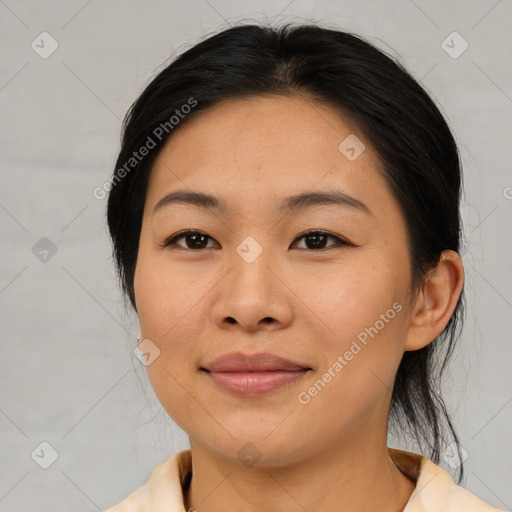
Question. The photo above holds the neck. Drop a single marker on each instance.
(355, 476)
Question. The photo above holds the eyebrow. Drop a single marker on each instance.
(289, 204)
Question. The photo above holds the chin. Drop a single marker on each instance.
(257, 449)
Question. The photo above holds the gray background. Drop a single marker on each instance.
(68, 375)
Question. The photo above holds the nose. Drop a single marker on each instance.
(253, 296)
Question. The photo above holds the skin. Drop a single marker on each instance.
(198, 304)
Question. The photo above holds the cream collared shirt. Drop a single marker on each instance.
(435, 490)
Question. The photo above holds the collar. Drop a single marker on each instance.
(435, 490)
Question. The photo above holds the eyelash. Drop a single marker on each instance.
(171, 241)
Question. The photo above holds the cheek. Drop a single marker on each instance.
(354, 296)
(166, 297)
(364, 310)
(162, 312)
(359, 363)
(167, 303)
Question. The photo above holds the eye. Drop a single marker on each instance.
(317, 239)
(196, 240)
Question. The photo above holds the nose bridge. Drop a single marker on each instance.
(251, 293)
(251, 263)
(250, 250)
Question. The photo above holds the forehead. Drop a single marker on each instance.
(254, 150)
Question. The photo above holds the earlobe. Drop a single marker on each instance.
(436, 301)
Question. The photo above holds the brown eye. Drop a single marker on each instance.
(194, 240)
(317, 240)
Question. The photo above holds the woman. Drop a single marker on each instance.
(285, 220)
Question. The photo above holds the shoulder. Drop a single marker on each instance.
(163, 489)
(436, 491)
(132, 503)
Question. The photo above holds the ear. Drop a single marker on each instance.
(435, 301)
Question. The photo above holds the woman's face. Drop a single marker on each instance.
(337, 304)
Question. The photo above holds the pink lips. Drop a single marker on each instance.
(253, 375)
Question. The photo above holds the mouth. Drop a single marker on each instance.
(253, 375)
(253, 384)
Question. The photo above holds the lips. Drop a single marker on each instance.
(263, 362)
(253, 375)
